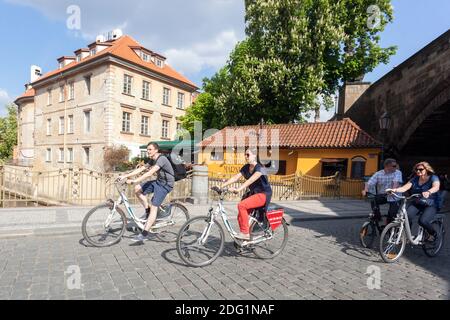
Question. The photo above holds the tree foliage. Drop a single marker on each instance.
(115, 158)
(295, 52)
(8, 132)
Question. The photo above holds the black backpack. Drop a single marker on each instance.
(179, 170)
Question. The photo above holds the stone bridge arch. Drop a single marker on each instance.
(416, 94)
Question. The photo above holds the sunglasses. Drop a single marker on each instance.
(247, 155)
(420, 169)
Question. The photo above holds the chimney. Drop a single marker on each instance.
(349, 93)
(35, 73)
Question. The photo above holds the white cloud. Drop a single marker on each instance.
(193, 34)
(4, 100)
(213, 53)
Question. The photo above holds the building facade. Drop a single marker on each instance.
(112, 93)
(315, 149)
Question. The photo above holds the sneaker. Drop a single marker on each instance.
(242, 236)
(432, 238)
(140, 238)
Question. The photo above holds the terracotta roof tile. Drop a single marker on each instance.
(333, 134)
(122, 48)
(27, 94)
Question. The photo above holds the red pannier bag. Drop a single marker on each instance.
(275, 217)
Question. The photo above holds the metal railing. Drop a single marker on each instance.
(21, 187)
(299, 186)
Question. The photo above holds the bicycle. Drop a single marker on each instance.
(108, 221)
(371, 228)
(203, 237)
(397, 233)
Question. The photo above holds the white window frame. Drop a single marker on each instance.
(61, 155)
(48, 155)
(144, 125)
(180, 102)
(166, 96)
(49, 127)
(49, 97)
(145, 90)
(62, 126)
(126, 121)
(61, 94)
(165, 129)
(87, 121)
(127, 84)
(71, 90)
(70, 124)
(87, 155)
(69, 155)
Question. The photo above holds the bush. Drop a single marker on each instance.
(116, 159)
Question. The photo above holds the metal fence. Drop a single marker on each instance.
(21, 187)
(299, 186)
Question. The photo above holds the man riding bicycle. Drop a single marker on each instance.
(388, 178)
(160, 187)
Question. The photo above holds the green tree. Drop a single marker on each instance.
(8, 132)
(295, 52)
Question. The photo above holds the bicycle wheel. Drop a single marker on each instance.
(199, 243)
(177, 216)
(102, 227)
(432, 249)
(367, 234)
(270, 248)
(390, 250)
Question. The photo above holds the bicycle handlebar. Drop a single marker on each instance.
(391, 193)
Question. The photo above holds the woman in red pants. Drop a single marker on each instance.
(260, 190)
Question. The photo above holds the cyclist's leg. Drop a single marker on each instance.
(412, 212)
(141, 192)
(159, 194)
(426, 218)
(392, 212)
(379, 200)
(244, 208)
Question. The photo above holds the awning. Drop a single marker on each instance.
(169, 145)
(327, 160)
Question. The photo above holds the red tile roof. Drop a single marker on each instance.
(122, 48)
(28, 94)
(333, 134)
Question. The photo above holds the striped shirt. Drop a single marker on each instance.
(382, 181)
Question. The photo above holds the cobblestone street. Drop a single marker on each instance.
(323, 260)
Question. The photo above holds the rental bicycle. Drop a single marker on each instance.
(201, 240)
(396, 234)
(372, 227)
(105, 224)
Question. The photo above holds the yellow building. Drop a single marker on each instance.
(316, 149)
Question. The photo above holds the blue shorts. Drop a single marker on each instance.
(159, 191)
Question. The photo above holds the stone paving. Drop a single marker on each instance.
(322, 260)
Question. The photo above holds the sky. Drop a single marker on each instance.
(196, 35)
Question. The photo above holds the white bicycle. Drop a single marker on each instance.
(105, 224)
(396, 234)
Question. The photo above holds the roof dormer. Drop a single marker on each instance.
(81, 54)
(159, 60)
(144, 54)
(97, 47)
(64, 61)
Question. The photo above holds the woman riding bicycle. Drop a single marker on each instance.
(260, 190)
(427, 184)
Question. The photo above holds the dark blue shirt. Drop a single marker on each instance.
(418, 188)
(261, 185)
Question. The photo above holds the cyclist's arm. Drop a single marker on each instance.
(147, 175)
(372, 182)
(232, 180)
(405, 188)
(252, 179)
(134, 173)
(435, 188)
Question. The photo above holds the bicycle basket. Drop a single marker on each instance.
(275, 218)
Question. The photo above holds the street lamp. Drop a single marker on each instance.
(385, 124)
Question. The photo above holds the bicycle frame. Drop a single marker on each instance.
(403, 219)
(220, 210)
